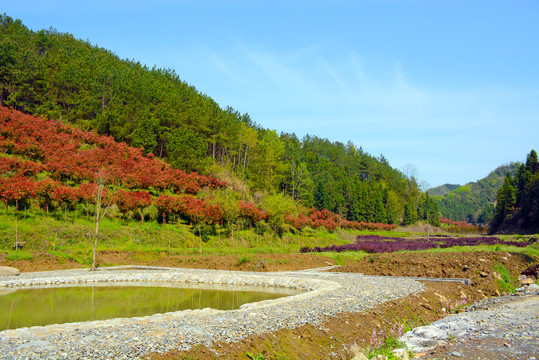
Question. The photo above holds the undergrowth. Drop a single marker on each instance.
(382, 343)
(506, 283)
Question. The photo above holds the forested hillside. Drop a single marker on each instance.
(443, 189)
(50, 168)
(517, 201)
(474, 202)
(52, 74)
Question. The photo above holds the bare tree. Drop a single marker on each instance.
(102, 207)
(425, 187)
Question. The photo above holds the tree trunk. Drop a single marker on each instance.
(95, 245)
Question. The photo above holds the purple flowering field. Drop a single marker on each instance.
(381, 244)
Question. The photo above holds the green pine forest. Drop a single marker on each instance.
(52, 74)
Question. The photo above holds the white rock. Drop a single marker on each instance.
(8, 271)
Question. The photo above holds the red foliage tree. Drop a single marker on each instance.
(299, 222)
(252, 213)
(17, 189)
(68, 153)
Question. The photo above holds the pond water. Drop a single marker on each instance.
(44, 306)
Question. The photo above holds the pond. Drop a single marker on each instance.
(58, 305)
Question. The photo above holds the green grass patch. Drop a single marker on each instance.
(528, 250)
(255, 357)
(62, 256)
(19, 255)
(343, 257)
(243, 260)
(506, 283)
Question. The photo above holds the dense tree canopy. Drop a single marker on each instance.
(517, 202)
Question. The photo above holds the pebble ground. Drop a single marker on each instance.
(505, 327)
(325, 295)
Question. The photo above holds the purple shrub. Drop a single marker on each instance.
(384, 244)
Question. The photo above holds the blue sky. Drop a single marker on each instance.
(450, 88)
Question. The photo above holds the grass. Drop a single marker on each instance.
(243, 260)
(255, 357)
(63, 256)
(506, 283)
(384, 343)
(343, 257)
(19, 255)
(39, 232)
(528, 250)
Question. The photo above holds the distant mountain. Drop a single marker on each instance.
(442, 189)
(473, 202)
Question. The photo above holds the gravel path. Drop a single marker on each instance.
(326, 294)
(505, 327)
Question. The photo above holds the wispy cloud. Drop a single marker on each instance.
(344, 96)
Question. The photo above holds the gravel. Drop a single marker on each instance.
(325, 295)
(505, 327)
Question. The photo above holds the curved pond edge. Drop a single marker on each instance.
(209, 279)
(325, 295)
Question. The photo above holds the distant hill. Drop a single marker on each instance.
(442, 189)
(473, 202)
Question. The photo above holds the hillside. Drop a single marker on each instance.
(473, 202)
(50, 167)
(52, 74)
(442, 189)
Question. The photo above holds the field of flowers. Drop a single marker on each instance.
(381, 244)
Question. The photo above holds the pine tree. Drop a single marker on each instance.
(505, 203)
(321, 200)
(532, 163)
(408, 218)
(354, 211)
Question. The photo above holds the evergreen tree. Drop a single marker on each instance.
(532, 163)
(408, 218)
(379, 215)
(517, 207)
(186, 149)
(505, 203)
(321, 200)
(354, 211)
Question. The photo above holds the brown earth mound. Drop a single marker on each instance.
(43, 261)
(476, 266)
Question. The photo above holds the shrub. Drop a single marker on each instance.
(380, 244)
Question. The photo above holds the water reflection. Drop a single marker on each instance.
(43, 306)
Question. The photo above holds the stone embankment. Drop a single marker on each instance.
(324, 295)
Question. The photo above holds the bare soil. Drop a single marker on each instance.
(476, 266)
(43, 261)
(334, 338)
